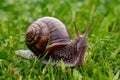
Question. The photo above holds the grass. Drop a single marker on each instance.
(102, 58)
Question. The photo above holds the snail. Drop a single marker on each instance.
(49, 35)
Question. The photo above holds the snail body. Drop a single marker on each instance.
(50, 35)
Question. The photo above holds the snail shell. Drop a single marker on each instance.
(45, 34)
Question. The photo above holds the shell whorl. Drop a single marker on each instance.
(37, 37)
(45, 34)
(58, 33)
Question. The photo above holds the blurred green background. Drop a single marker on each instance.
(102, 58)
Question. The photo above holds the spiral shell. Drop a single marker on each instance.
(45, 34)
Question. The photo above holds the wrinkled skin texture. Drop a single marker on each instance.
(72, 54)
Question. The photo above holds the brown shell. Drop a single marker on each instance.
(45, 34)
